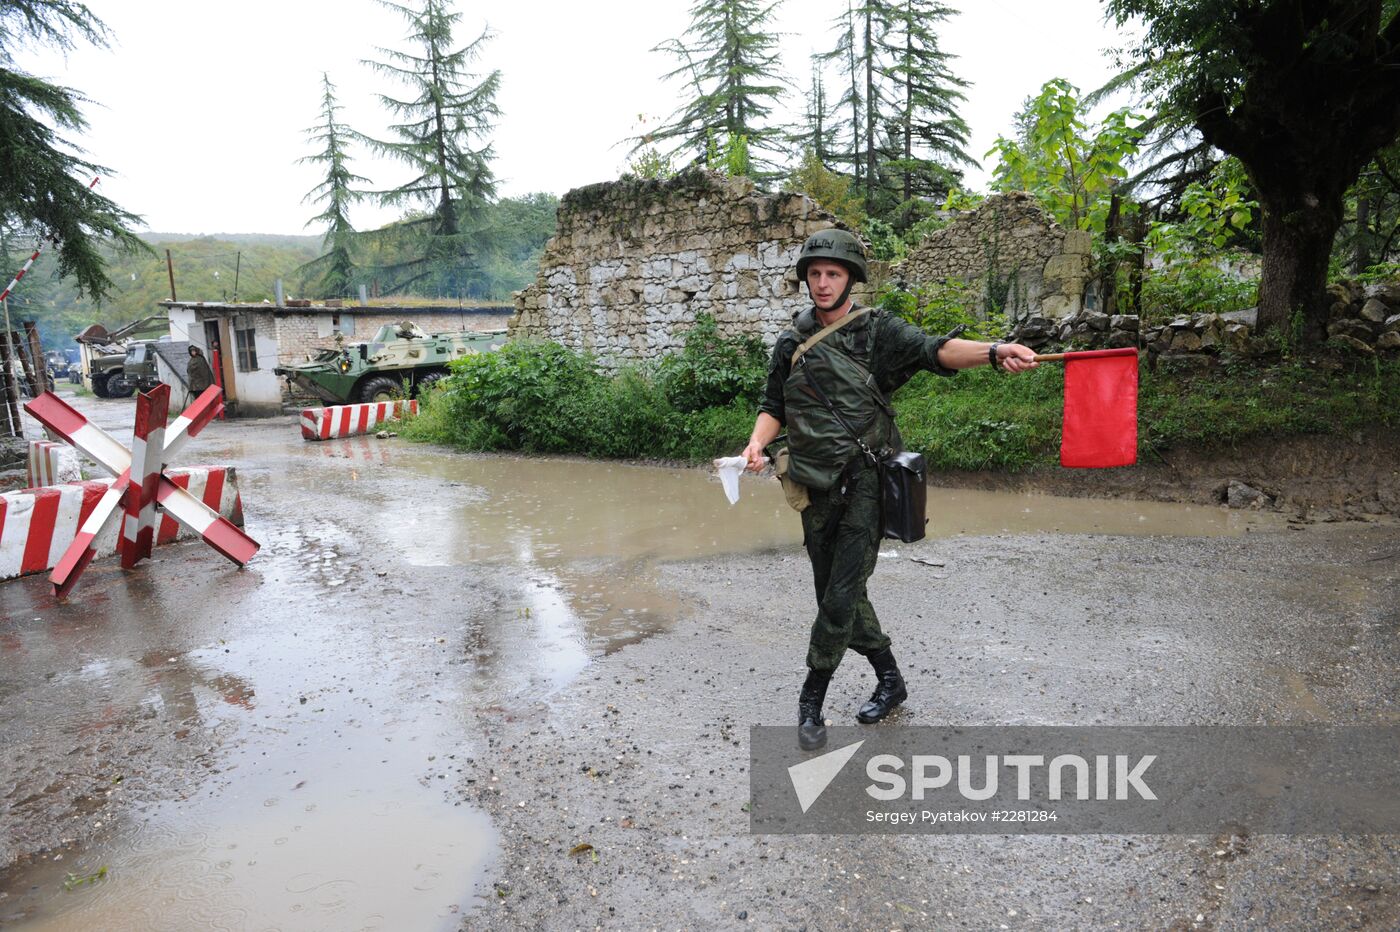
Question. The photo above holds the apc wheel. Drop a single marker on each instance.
(381, 388)
(426, 383)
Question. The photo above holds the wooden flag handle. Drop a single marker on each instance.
(1049, 357)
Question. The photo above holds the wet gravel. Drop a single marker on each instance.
(644, 756)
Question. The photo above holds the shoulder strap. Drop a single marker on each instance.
(825, 332)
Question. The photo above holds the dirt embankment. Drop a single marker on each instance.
(1317, 478)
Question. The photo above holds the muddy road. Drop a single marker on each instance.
(444, 672)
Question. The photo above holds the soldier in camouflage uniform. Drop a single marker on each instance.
(841, 524)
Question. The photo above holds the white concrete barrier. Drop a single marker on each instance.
(38, 525)
(349, 420)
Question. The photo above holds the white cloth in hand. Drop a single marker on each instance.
(729, 468)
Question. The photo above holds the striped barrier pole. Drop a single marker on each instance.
(70, 425)
(350, 420)
(37, 526)
(61, 418)
(147, 451)
(21, 273)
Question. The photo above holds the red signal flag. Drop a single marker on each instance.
(1101, 392)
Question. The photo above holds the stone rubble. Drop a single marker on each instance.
(1008, 243)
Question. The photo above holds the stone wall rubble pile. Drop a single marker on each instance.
(1084, 329)
(1363, 319)
(1022, 258)
(634, 261)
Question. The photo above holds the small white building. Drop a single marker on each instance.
(253, 339)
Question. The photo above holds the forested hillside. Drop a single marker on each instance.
(220, 267)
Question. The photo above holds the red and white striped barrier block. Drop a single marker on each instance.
(37, 526)
(51, 463)
(61, 418)
(349, 420)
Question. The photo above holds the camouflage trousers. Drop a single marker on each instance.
(842, 537)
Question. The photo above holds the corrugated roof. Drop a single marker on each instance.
(407, 310)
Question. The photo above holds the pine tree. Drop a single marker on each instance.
(44, 177)
(731, 65)
(846, 56)
(928, 134)
(336, 266)
(901, 95)
(814, 135)
(450, 110)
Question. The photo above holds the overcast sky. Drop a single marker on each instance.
(200, 107)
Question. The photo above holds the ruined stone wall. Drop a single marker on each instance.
(1024, 261)
(633, 262)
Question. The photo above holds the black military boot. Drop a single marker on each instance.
(811, 726)
(889, 689)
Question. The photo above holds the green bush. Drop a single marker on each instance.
(981, 419)
(712, 370)
(1197, 287)
(1380, 272)
(938, 308)
(543, 398)
(986, 420)
(886, 244)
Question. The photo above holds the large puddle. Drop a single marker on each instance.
(270, 781)
(550, 511)
(292, 763)
(583, 536)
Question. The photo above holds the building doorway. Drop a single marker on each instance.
(216, 339)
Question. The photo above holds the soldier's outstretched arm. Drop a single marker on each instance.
(968, 354)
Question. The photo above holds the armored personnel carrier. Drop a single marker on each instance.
(401, 356)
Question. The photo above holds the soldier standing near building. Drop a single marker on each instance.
(822, 402)
(198, 373)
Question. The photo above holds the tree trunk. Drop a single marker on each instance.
(1113, 232)
(1138, 264)
(908, 104)
(869, 115)
(1298, 234)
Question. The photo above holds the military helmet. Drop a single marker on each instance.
(837, 245)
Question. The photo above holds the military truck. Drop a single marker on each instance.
(63, 364)
(400, 356)
(104, 356)
(138, 370)
(104, 375)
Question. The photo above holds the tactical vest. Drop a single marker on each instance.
(820, 447)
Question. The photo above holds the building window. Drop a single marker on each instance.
(247, 350)
(344, 324)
